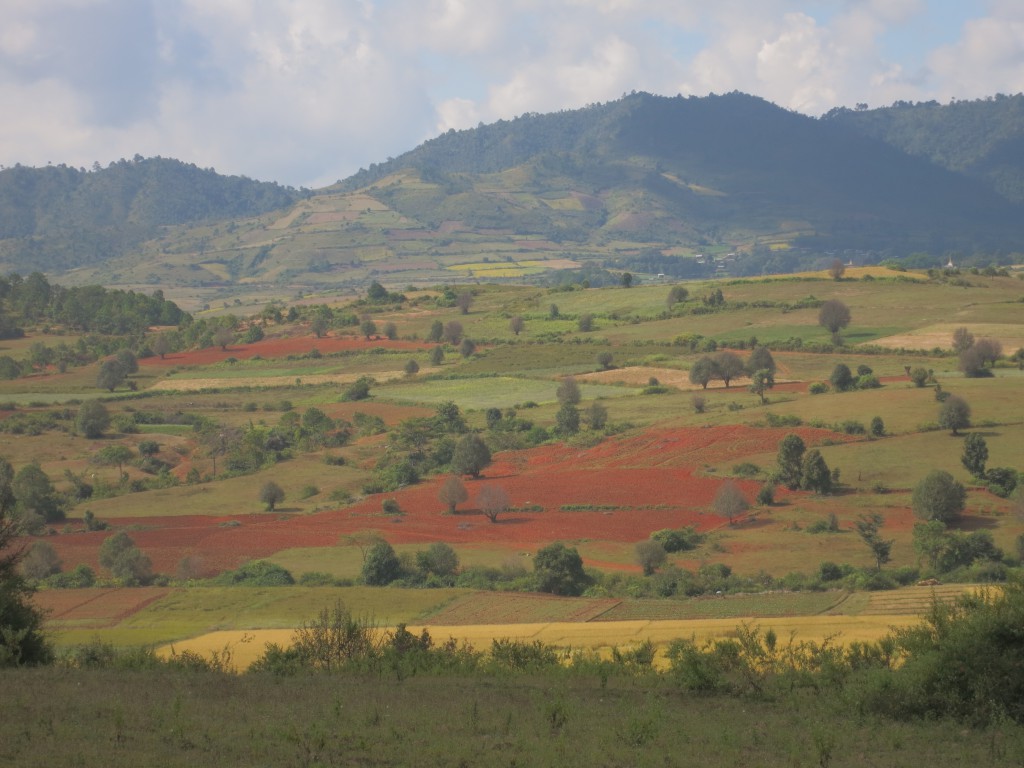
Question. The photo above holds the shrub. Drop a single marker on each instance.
(818, 388)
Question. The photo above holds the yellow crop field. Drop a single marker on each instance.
(246, 646)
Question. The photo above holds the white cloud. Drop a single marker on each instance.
(307, 91)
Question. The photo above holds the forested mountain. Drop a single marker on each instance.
(644, 183)
(59, 217)
(984, 138)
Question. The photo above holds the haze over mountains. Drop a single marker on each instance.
(642, 183)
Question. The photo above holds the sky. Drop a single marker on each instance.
(307, 92)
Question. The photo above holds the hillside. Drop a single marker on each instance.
(982, 139)
(58, 218)
(644, 184)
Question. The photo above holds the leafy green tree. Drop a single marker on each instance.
(271, 495)
(868, 527)
(728, 366)
(223, 336)
(390, 331)
(452, 493)
(939, 496)
(702, 372)
(790, 460)
(585, 322)
(128, 361)
(320, 324)
(954, 414)
(877, 428)
(761, 381)
(436, 356)
(596, 416)
(841, 377)
(40, 561)
(436, 332)
(650, 555)
(368, 328)
(92, 419)
(814, 472)
(467, 347)
(677, 294)
(36, 495)
(834, 315)
(604, 359)
(22, 640)
(439, 560)
(761, 359)
(115, 455)
(975, 454)
(963, 340)
(376, 292)
(453, 332)
(919, 376)
(567, 420)
(161, 345)
(730, 502)
(471, 456)
(558, 570)
(568, 391)
(411, 367)
(381, 566)
(448, 418)
(126, 562)
(110, 375)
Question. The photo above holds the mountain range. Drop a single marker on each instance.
(644, 183)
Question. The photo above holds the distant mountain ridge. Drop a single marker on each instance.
(59, 217)
(644, 183)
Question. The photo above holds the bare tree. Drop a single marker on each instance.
(837, 269)
(729, 501)
(835, 316)
(516, 325)
(452, 493)
(492, 501)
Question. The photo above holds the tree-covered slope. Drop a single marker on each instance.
(59, 217)
(983, 138)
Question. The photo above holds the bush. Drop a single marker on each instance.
(257, 573)
(818, 388)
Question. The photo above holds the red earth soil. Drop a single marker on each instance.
(633, 485)
(279, 347)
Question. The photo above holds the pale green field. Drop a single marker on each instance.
(499, 391)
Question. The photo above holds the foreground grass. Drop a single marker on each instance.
(179, 718)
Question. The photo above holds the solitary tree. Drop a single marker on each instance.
(390, 331)
(837, 269)
(492, 501)
(834, 315)
(453, 332)
(368, 328)
(626, 281)
(790, 460)
(467, 347)
(729, 501)
(814, 472)
(436, 332)
(161, 345)
(464, 302)
(585, 322)
(452, 493)
(760, 381)
(677, 294)
(955, 414)
(975, 454)
(471, 456)
(939, 496)
(92, 419)
(271, 494)
(761, 359)
(650, 555)
(516, 325)
(439, 560)
(963, 339)
(114, 456)
(110, 375)
(411, 367)
(437, 356)
(868, 527)
(604, 359)
(223, 336)
(702, 372)
(558, 569)
(841, 378)
(567, 420)
(568, 391)
(596, 416)
(381, 565)
(125, 561)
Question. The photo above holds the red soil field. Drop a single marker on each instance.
(278, 347)
(634, 485)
